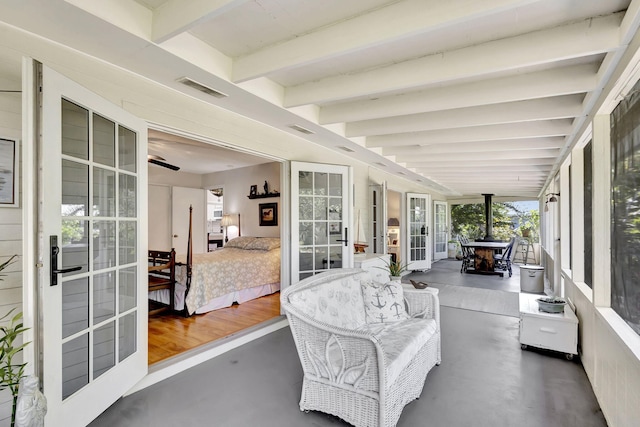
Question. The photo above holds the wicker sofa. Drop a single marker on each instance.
(361, 366)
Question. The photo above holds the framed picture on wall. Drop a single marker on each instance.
(9, 173)
(268, 214)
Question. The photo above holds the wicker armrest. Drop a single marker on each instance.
(360, 352)
(423, 303)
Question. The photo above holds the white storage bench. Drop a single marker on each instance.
(550, 331)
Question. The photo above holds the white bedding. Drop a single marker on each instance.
(223, 276)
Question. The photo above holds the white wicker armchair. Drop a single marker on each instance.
(363, 373)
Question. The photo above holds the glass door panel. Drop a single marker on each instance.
(418, 243)
(92, 207)
(320, 194)
(440, 230)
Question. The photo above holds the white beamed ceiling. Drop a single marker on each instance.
(466, 96)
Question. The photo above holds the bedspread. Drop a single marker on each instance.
(220, 272)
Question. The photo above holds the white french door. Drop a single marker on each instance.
(440, 230)
(93, 234)
(417, 245)
(321, 219)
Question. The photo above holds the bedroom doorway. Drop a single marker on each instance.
(222, 178)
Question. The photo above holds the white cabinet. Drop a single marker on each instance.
(376, 264)
(551, 331)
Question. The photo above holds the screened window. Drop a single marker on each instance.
(625, 198)
(588, 209)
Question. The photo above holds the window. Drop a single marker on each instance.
(625, 205)
(588, 212)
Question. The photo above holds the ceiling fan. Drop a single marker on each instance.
(160, 161)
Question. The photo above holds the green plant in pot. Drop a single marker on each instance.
(10, 372)
(395, 269)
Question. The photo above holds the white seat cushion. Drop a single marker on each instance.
(401, 341)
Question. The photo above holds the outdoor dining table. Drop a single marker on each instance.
(483, 261)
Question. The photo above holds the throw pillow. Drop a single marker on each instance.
(384, 303)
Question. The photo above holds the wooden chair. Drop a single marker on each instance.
(503, 261)
(162, 275)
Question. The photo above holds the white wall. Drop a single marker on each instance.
(10, 225)
(237, 183)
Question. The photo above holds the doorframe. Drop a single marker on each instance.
(31, 264)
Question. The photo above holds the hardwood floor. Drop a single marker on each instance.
(172, 334)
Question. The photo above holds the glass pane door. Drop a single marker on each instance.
(93, 292)
(440, 231)
(418, 243)
(320, 219)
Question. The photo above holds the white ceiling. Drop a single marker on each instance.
(468, 97)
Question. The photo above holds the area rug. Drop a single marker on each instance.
(478, 299)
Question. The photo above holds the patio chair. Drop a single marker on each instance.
(503, 261)
(468, 255)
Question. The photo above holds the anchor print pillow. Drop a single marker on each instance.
(383, 303)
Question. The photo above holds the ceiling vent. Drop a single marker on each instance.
(381, 164)
(302, 130)
(347, 149)
(202, 88)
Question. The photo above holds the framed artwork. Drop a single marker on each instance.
(268, 214)
(253, 190)
(9, 173)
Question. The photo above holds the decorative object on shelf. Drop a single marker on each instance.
(253, 192)
(393, 222)
(361, 239)
(551, 305)
(268, 214)
(227, 221)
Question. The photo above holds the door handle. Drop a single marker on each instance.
(346, 237)
(55, 250)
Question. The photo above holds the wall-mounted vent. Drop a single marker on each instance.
(301, 129)
(347, 149)
(202, 88)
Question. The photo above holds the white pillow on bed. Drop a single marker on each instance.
(264, 243)
(239, 242)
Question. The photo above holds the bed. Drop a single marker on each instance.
(245, 269)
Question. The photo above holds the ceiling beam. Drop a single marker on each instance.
(426, 166)
(556, 82)
(478, 147)
(544, 128)
(476, 169)
(178, 16)
(585, 38)
(394, 22)
(560, 107)
(485, 155)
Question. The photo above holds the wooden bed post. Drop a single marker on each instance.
(189, 259)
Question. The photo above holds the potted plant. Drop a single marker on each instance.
(395, 269)
(11, 373)
(452, 248)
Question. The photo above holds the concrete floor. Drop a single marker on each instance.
(485, 379)
(448, 271)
